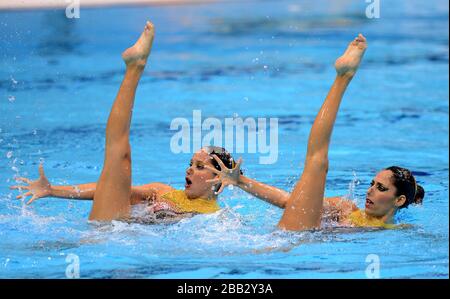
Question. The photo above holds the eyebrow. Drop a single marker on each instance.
(382, 185)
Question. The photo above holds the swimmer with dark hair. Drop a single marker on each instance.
(211, 168)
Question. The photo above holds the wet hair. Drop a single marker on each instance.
(405, 183)
(223, 155)
(420, 194)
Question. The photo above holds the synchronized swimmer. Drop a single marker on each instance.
(211, 168)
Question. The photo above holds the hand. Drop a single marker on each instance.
(225, 175)
(38, 188)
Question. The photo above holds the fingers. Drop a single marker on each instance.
(24, 195)
(239, 162)
(212, 169)
(29, 193)
(41, 170)
(31, 200)
(217, 180)
(28, 181)
(220, 189)
(19, 187)
(222, 166)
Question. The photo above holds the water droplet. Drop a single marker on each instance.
(265, 67)
(14, 168)
(246, 99)
(34, 132)
(9, 154)
(11, 99)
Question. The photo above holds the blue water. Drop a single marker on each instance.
(58, 78)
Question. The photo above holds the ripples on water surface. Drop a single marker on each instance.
(58, 78)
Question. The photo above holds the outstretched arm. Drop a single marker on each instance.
(82, 191)
(139, 194)
(275, 196)
(268, 193)
(279, 197)
(226, 176)
(42, 188)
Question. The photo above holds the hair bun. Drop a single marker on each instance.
(420, 194)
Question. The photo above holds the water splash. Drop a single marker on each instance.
(352, 187)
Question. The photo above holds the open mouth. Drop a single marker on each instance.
(188, 183)
(369, 203)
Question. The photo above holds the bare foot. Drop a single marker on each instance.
(348, 63)
(138, 53)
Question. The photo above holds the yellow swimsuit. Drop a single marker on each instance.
(358, 218)
(185, 205)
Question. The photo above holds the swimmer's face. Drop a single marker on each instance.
(381, 197)
(196, 176)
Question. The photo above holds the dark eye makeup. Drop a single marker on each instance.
(379, 186)
(198, 165)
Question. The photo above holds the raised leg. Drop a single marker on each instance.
(113, 193)
(304, 208)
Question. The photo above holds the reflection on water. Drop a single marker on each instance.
(59, 36)
(283, 26)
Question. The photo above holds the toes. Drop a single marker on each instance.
(361, 41)
(148, 26)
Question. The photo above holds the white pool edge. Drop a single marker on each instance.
(40, 4)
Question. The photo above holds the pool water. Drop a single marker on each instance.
(59, 76)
